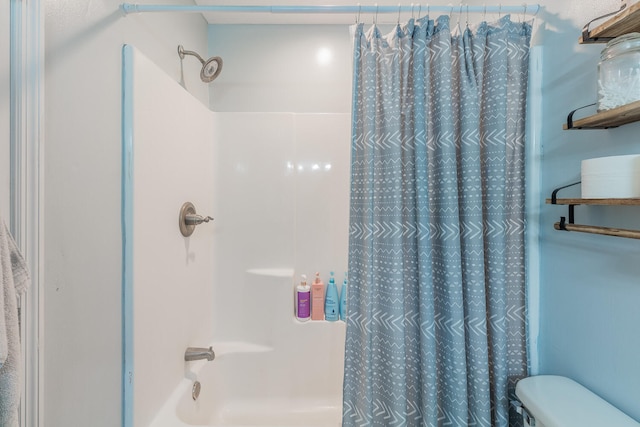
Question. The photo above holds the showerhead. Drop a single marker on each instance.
(211, 68)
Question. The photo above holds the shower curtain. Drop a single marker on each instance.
(436, 322)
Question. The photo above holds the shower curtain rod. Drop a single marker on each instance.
(528, 9)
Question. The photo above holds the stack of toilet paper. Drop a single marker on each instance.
(611, 177)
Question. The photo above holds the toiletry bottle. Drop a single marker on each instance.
(317, 299)
(303, 300)
(331, 301)
(343, 299)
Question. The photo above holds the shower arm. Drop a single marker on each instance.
(182, 53)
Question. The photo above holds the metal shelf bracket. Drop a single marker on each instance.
(571, 213)
(586, 33)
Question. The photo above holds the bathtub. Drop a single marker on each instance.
(253, 385)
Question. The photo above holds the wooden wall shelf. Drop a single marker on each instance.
(565, 225)
(624, 21)
(606, 119)
(603, 231)
(627, 21)
(601, 202)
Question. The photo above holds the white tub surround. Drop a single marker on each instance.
(277, 186)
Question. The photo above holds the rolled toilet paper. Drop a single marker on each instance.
(613, 177)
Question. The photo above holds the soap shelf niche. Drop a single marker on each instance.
(570, 225)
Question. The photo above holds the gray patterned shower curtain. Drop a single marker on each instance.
(436, 324)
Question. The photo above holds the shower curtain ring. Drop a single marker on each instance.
(399, 10)
(375, 18)
(467, 16)
(484, 13)
(499, 10)
(358, 15)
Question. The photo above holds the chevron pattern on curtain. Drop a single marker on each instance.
(436, 329)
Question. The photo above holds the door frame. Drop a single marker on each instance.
(27, 190)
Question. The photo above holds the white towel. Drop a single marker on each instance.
(14, 279)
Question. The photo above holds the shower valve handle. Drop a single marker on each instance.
(195, 219)
(188, 219)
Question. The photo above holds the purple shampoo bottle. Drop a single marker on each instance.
(303, 300)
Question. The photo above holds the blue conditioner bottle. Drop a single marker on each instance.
(331, 303)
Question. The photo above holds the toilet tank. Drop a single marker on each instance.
(554, 401)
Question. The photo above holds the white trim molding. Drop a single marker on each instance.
(533, 158)
(27, 189)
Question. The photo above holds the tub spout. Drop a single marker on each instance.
(196, 353)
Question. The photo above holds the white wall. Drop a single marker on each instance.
(83, 267)
(4, 112)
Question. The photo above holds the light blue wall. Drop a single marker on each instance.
(590, 285)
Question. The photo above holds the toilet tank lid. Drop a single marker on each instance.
(561, 402)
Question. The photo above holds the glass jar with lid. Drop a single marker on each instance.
(619, 72)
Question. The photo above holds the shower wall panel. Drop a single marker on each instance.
(274, 68)
(322, 168)
(255, 214)
(169, 294)
(282, 210)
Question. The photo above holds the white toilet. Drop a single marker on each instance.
(554, 401)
